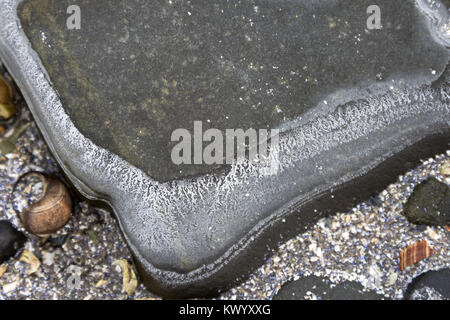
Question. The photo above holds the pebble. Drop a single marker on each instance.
(429, 204)
(11, 240)
(431, 285)
(319, 288)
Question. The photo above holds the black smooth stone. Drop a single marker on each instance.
(429, 204)
(313, 287)
(11, 240)
(108, 96)
(431, 285)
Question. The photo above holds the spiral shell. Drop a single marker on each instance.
(52, 211)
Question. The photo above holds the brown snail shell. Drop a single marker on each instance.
(52, 211)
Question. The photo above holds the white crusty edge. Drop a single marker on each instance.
(171, 206)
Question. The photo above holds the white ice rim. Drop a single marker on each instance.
(152, 200)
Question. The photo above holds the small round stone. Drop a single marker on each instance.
(11, 240)
(429, 204)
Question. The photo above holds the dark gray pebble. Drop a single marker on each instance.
(429, 204)
(11, 240)
(431, 285)
(313, 287)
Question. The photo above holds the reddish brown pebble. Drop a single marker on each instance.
(414, 253)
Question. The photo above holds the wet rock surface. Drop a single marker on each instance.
(432, 285)
(316, 288)
(200, 236)
(146, 69)
(11, 240)
(371, 233)
(429, 204)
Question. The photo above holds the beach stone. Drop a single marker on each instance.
(431, 285)
(317, 288)
(355, 105)
(429, 204)
(11, 240)
(193, 65)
